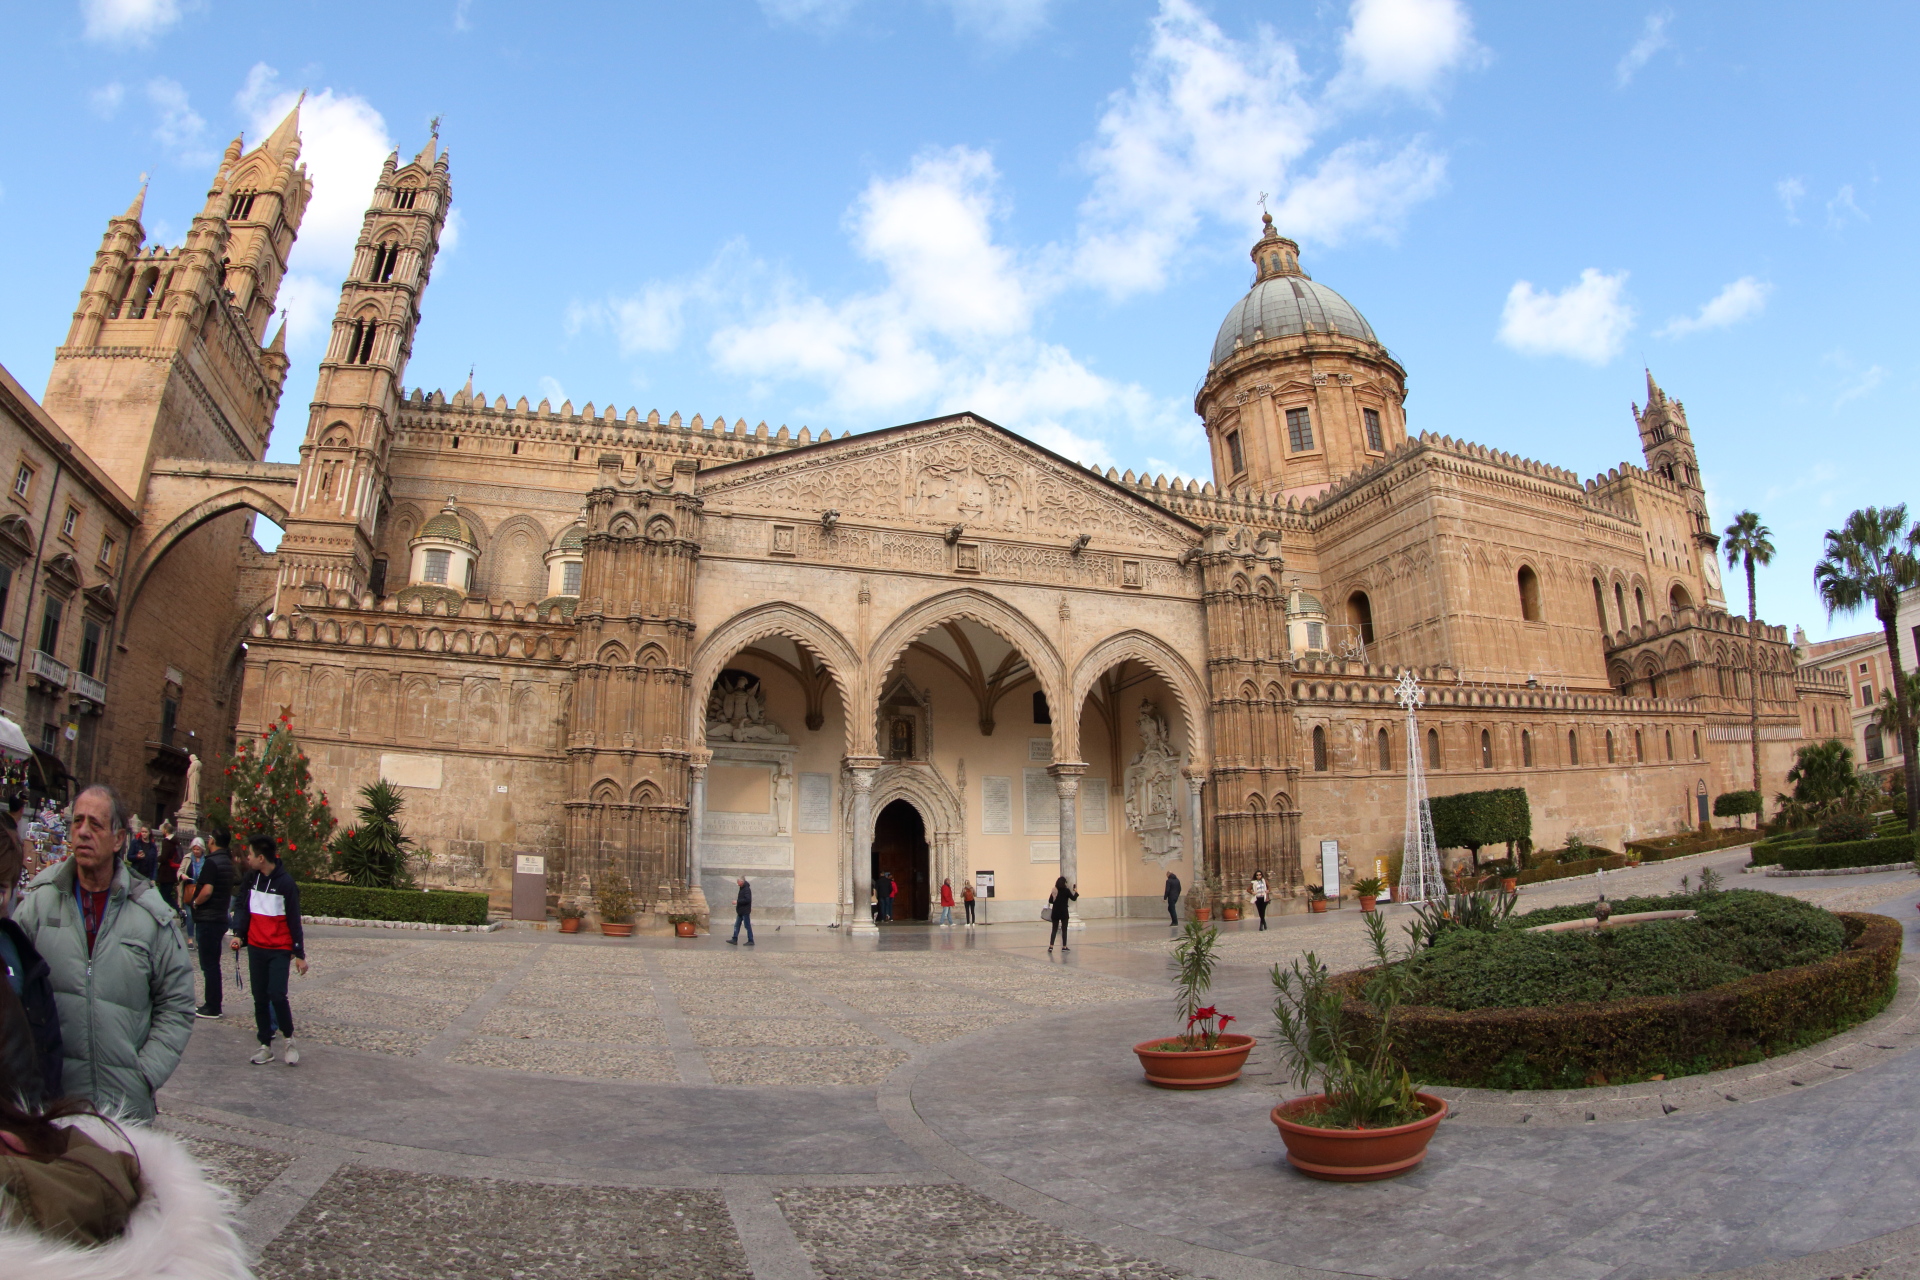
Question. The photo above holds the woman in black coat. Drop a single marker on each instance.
(1062, 894)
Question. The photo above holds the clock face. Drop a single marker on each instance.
(1711, 568)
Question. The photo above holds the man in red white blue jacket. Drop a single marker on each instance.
(266, 920)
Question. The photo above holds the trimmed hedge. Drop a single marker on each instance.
(1567, 1046)
(1691, 843)
(351, 902)
(1735, 804)
(1843, 853)
(1568, 870)
(1476, 819)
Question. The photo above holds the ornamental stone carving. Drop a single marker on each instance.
(1153, 813)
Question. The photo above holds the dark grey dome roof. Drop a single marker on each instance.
(1289, 304)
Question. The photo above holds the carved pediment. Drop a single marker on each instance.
(934, 475)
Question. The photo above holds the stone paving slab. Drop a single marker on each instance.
(242, 1169)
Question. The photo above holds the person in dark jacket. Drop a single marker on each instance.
(211, 897)
(31, 982)
(742, 913)
(1062, 894)
(266, 919)
(1172, 895)
(143, 855)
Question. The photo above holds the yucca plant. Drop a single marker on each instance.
(1352, 1064)
(373, 851)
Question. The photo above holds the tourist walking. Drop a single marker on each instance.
(742, 913)
(1062, 894)
(167, 865)
(1260, 896)
(266, 918)
(1172, 895)
(121, 977)
(143, 854)
(886, 897)
(966, 896)
(946, 903)
(33, 1052)
(210, 900)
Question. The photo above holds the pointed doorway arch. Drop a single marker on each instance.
(901, 853)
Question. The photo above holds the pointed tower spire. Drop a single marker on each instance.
(279, 343)
(287, 132)
(139, 204)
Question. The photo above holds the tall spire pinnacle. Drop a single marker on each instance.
(139, 204)
(287, 132)
(1654, 394)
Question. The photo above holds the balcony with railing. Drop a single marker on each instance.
(9, 649)
(51, 672)
(86, 687)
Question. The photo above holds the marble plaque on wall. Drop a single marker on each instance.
(1043, 851)
(1043, 801)
(996, 806)
(816, 802)
(1093, 806)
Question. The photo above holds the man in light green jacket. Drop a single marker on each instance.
(121, 976)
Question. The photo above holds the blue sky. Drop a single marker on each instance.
(848, 213)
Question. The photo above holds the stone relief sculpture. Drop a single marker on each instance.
(737, 711)
(1153, 812)
(783, 798)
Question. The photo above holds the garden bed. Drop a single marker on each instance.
(1685, 846)
(353, 902)
(1568, 1045)
(1811, 856)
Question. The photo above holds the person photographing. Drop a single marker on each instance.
(266, 920)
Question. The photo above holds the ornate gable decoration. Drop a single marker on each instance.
(954, 471)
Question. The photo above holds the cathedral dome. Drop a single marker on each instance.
(1284, 301)
(574, 539)
(450, 525)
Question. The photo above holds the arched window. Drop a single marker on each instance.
(1526, 749)
(1486, 749)
(1640, 604)
(1620, 604)
(1386, 749)
(1639, 747)
(403, 197)
(1433, 749)
(1360, 615)
(360, 341)
(1669, 744)
(1679, 598)
(1600, 604)
(385, 258)
(1042, 713)
(1319, 749)
(240, 205)
(1610, 759)
(1573, 747)
(1529, 594)
(1696, 744)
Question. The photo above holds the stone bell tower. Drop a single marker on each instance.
(343, 460)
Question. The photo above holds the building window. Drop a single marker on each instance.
(1669, 744)
(1696, 744)
(1299, 430)
(49, 739)
(1620, 604)
(437, 565)
(1529, 594)
(1360, 615)
(1486, 749)
(6, 589)
(570, 578)
(1875, 750)
(1319, 749)
(1526, 749)
(1385, 746)
(50, 625)
(385, 257)
(1316, 637)
(1433, 749)
(107, 547)
(89, 647)
(1640, 604)
(403, 197)
(1600, 604)
(1042, 713)
(240, 206)
(1639, 747)
(23, 481)
(1866, 693)
(1610, 746)
(360, 342)
(1573, 747)
(169, 719)
(377, 580)
(69, 522)
(1375, 441)
(469, 577)
(1235, 457)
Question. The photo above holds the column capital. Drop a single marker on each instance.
(1197, 774)
(1068, 769)
(699, 758)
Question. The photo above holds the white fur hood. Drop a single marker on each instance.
(182, 1229)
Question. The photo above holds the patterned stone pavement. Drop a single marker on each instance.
(951, 1104)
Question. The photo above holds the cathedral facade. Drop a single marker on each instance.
(687, 650)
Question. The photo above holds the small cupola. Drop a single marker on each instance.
(446, 553)
(565, 559)
(1273, 254)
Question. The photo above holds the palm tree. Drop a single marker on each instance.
(1747, 543)
(1874, 557)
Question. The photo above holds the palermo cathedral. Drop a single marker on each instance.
(587, 638)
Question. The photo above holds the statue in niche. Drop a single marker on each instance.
(737, 711)
(1153, 810)
(783, 798)
(900, 739)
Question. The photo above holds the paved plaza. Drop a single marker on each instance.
(953, 1103)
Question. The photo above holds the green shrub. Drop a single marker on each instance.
(1563, 1046)
(1474, 819)
(1692, 842)
(1851, 853)
(1845, 826)
(352, 902)
(1564, 868)
(1736, 804)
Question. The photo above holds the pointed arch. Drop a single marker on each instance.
(1009, 623)
(244, 497)
(796, 623)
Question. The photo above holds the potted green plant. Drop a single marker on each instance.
(684, 924)
(1316, 899)
(1506, 873)
(1230, 907)
(1204, 1055)
(1368, 891)
(614, 897)
(570, 917)
(1368, 1121)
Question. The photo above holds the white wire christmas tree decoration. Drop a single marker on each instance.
(1420, 860)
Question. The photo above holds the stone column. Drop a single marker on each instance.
(1196, 780)
(1066, 780)
(696, 813)
(860, 773)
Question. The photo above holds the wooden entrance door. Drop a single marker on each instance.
(900, 850)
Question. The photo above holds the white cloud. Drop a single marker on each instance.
(1000, 21)
(1653, 38)
(1791, 191)
(1209, 122)
(106, 100)
(451, 231)
(1842, 209)
(1587, 320)
(1855, 382)
(550, 388)
(1408, 45)
(178, 127)
(1741, 300)
(462, 12)
(822, 12)
(129, 21)
(309, 302)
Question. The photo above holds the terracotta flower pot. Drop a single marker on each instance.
(616, 930)
(1369, 904)
(569, 924)
(1509, 884)
(683, 929)
(1317, 905)
(1194, 1068)
(1355, 1155)
(1203, 913)
(1230, 913)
